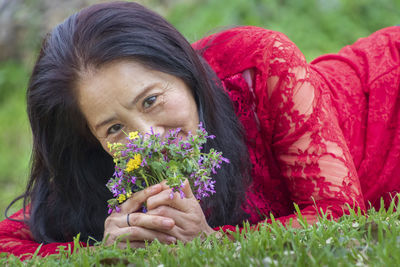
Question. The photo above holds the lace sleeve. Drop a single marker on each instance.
(307, 141)
(298, 150)
(16, 239)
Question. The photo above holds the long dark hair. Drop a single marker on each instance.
(66, 188)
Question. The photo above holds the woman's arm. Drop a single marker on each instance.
(294, 103)
(308, 142)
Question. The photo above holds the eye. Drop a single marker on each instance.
(148, 102)
(115, 128)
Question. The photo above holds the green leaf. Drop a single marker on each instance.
(156, 166)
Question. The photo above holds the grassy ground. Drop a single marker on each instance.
(355, 240)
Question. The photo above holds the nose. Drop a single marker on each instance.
(144, 126)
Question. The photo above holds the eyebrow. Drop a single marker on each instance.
(144, 91)
(101, 124)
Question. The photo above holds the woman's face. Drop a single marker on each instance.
(125, 96)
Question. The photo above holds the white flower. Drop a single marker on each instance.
(267, 261)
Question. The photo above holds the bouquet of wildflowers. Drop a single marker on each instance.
(146, 160)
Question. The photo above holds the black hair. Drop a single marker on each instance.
(66, 189)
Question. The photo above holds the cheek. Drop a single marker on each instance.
(104, 146)
(183, 110)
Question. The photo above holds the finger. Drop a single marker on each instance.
(135, 202)
(164, 185)
(132, 244)
(164, 199)
(136, 233)
(123, 244)
(186, 227)
(180, 218)
(145, 220)
(187, 189)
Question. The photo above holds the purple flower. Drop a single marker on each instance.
(225, 159)
(144, 162)
(109, 209)
(188, 152)
(129, 145)
(182, 194)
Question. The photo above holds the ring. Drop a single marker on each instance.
(127, 219)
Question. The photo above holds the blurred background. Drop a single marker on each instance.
(316, 26)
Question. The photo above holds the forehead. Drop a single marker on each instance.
(119, 75)
(115, 80)
(100, 90)
(112, 75)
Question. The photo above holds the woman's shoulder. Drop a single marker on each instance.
(239, 48)
(246, 34)
(370, 57)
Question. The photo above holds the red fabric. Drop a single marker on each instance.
(16, 238)
(322, 135)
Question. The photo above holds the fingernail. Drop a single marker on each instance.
(167, 223)
(171, 239)
(154, 188)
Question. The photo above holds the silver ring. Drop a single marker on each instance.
(127, 219)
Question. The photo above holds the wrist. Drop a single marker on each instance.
(209, 231)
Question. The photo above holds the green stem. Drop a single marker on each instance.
(144, 177)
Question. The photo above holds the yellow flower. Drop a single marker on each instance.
(128, 195)
(133, 135)
(134, 163)
(109, 146)
(121, 198)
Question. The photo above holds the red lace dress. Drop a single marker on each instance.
(321, 135)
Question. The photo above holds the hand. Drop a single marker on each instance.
(143, 226)
(187, 214)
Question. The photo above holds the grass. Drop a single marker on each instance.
(353, 240)
(15, 140)
(317, 27)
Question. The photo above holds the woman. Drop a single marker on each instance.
(322, 135)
